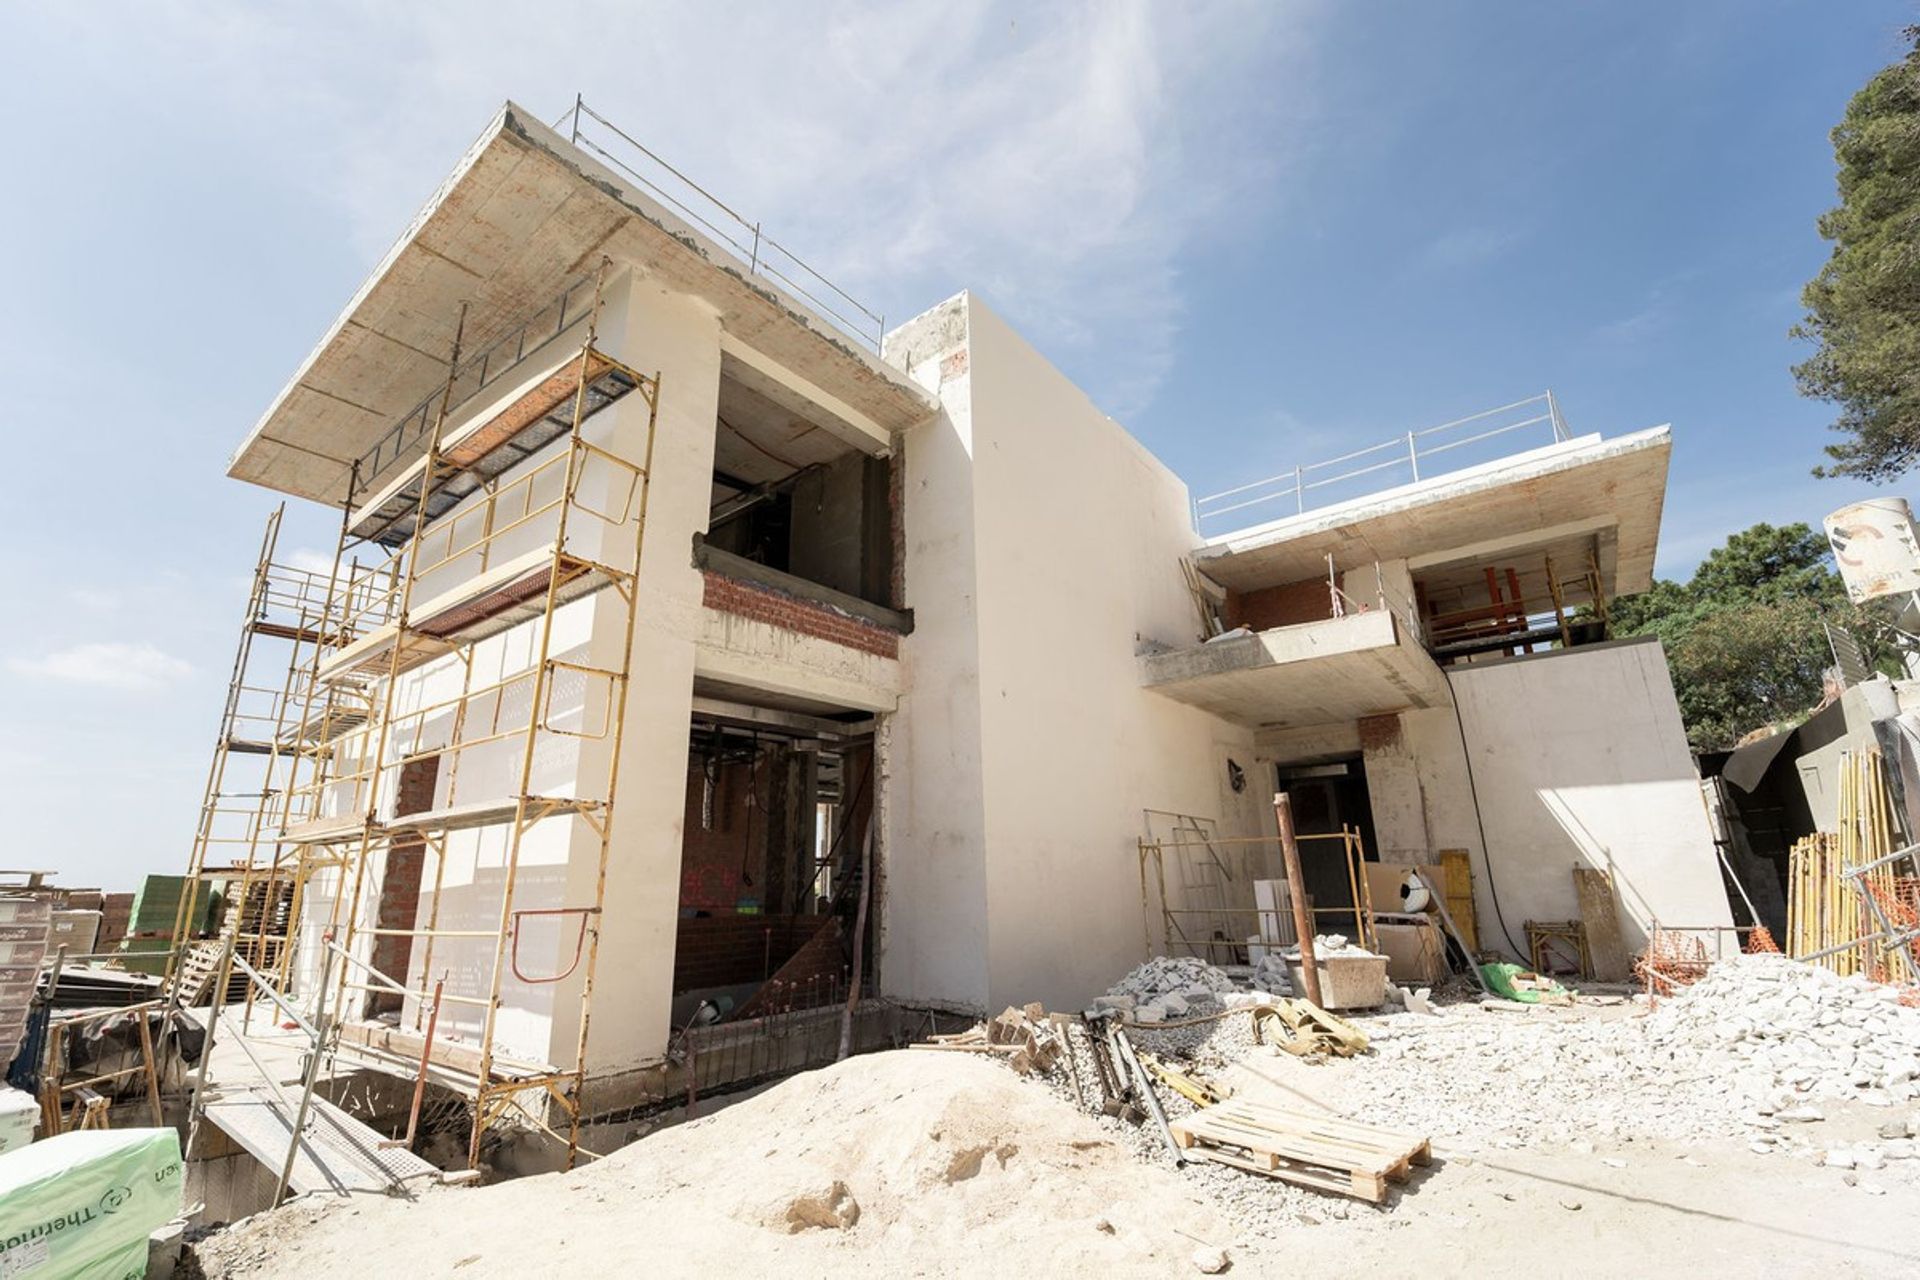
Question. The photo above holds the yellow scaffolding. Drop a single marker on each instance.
(257, 753)
(461, 572)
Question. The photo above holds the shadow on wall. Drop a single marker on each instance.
(1639, 907)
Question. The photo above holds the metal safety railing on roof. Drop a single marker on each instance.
(1395, 462)
(764, 256)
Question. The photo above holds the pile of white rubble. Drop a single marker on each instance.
(1784, 1033)
(1174, 987)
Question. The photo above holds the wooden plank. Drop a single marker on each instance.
(1457, 879)
(1313, 1123)
(1368, 1187)
(1604, 943)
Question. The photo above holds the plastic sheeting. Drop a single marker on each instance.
(80, 1206)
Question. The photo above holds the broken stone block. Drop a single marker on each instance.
(834, 1208)
(1211, 1262)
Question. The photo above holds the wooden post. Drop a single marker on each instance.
(1297, 895)
(859, 941)
(152, 1075)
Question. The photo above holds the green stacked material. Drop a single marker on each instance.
(155, 908)
(80, 1206)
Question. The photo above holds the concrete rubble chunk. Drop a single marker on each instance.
(1211, 1262)
(834, 1207)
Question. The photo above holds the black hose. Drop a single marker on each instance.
(1473, 791)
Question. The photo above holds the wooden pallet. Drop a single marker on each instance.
(197, 968)
(1323, 1152)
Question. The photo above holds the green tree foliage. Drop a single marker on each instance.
(1743, 635)
(1863, 309)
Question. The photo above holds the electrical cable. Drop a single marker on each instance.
(752, 444)
(753, 798)
(1473, 791)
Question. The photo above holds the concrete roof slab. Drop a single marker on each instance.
(1313, 673)
(1599, 485)
(523, 215)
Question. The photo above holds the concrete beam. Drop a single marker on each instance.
(753, 370)
(1506, 544)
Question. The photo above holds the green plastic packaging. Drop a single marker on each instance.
(80, 1206)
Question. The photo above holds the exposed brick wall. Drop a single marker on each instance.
(399, 905)
(897, 522)
(1281, 606)
(761, 604)
(1379, 733)
(717, 862)
(725, 950)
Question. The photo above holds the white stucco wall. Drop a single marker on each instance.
(1579, 758)
(1064, 535)
(933, 918)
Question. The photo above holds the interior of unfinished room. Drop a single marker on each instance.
(817, 782)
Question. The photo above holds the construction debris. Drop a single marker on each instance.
(1173, 975)
(1026, 1038)
(1782, 1031)
(1304, 1030)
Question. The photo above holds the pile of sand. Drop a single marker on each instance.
(910, 1161)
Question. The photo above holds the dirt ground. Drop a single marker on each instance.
(953, 1161)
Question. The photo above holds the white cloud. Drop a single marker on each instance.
(308, 560)
(132, 667)
(1058, 158)
(1467, 247)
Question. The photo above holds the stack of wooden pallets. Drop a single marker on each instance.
(1323, 1152)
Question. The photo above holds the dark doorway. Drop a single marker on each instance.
(1327, 797)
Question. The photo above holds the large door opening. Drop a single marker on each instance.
(1328, 798)
(779, 811)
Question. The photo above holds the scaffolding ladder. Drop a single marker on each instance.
(256, 755)
(505, 518)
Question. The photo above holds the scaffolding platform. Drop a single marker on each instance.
(326, 830)
(483, 605)
(493, 445)
(488, 813)
(337, 1153)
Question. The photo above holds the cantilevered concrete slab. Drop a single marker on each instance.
(523, 215)
(1315, 673)
(1582, 492)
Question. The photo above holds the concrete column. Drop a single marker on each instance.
(673, 335)
(1394, 791)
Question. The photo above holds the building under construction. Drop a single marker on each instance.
(703, 664)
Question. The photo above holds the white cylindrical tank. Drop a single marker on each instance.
(1876, 548)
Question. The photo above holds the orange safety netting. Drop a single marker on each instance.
(1670, 962)
(1899, 903)
(1760, 942)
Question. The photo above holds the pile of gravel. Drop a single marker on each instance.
(1783, 1031)
(1173, 975)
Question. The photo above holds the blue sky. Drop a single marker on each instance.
(1257, 234)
